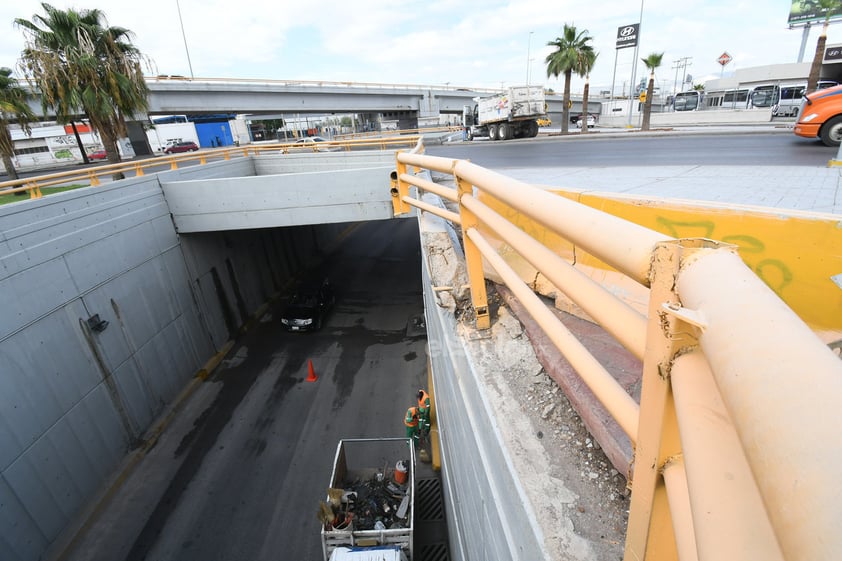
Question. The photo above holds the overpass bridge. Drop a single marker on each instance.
(721, 454)
(179, 95)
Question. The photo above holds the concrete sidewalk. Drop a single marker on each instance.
(799, 188)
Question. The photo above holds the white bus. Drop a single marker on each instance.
(727, 99)
(783, 99)
(688, 101)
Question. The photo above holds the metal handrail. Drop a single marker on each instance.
(734, 454)
(93, 175)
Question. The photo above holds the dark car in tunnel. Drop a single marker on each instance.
(308, 307)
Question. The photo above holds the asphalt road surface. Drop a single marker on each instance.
(755, 149)
(241, 470)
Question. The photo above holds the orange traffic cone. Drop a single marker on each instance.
(311, 374)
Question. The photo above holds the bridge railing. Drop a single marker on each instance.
(93, 176)
(735, 436)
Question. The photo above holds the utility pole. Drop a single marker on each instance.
(682, 64)
(684, 74)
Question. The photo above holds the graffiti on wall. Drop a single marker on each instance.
(774, 272)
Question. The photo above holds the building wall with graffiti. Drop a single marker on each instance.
(797, 254)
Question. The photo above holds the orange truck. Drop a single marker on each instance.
(821, 116)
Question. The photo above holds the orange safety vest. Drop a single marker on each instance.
(411, 417)
(424, 400)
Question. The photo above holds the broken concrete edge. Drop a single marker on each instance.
(600, 424)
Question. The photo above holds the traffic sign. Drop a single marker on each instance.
(724, 58)
(642, 97)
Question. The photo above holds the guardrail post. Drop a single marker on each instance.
(399, 189)
(473, 257)
(650, 533)
(35, 190)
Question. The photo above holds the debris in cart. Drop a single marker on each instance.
(369, 501)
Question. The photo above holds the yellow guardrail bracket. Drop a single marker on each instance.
(693, 317)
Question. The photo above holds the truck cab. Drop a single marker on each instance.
(820, 116)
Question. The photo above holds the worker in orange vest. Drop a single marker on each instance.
(423, 411)
(411, 422)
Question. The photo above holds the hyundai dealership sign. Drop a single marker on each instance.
(627, 35)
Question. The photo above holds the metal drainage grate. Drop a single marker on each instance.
(428, 499)
(433, 552)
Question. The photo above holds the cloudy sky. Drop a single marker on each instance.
(485, 43)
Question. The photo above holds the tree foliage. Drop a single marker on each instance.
(13, 109)
(573, 53)
(83, 67)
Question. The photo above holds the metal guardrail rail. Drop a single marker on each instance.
(736, 434)
(92, 175)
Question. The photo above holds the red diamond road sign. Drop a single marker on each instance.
(724, 58)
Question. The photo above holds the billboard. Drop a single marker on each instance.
(808, 11)
(627, 35)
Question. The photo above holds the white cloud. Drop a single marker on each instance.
(461, 42)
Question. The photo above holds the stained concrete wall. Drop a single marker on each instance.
(488, 515)
(292, 189)
(73, 401)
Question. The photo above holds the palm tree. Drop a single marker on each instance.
(652, 62)
(831, 8)
(585, 71)
(13, 107)
(571, 49)
(82, 67)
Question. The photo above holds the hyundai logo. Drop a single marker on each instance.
(626, 31)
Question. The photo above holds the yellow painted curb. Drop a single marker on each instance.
(434, 428)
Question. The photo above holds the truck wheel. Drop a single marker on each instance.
(504, 131)
(469, 134)
(831, 133)
(492, 132)
(533, 129)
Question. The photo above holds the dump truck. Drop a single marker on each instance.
(369, 511)
(514, 113)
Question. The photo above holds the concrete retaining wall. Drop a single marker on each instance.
(687, 118)
(73, 400)
(488, 517)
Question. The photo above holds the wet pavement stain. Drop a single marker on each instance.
(237, 382)
(356, 342)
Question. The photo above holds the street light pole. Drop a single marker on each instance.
(186, 50)
(634, 65)
(528, 53)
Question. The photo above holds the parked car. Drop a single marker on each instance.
(308, 307)
(316, 144)
(181, 147)
(578, 121)
(98, 155)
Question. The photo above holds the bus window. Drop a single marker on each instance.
(688, 101)
(764, 96)
(734, 99)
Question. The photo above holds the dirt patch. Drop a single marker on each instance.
(580, 500)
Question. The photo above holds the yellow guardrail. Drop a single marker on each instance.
(92, 175)
(735, 453)
(421, 131)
